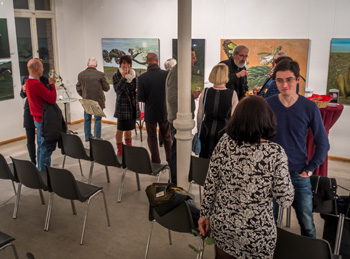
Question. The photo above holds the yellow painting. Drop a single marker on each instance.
(261, 52)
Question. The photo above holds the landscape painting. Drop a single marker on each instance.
(6, 82)
(197, 80)
(137, 49)
(4, 40)
(261, 52)
(339, 69)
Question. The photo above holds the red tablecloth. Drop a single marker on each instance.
(329, 116)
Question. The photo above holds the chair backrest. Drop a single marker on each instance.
(198, 170)
(62, 182)
(102, 152)
(28, 174)
(291, 246)
(137, 159)
(178, 219)
(5, 170)
(73, 146)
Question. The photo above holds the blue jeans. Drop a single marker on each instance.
(87, 126)
(302, 204)
(43, 156)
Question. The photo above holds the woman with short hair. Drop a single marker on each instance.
(246, 172)
(218, 108)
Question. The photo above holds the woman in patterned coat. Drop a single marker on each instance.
(126, 107)
(246, 172)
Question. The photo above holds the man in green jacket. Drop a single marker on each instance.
(91, 85)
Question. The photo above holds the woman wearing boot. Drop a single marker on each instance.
(28, 122)
(126, 107)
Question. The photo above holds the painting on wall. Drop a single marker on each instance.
(339, 69)
(137, 49)
(261, 52)
(4, 40)
(6, 82)
(197, 80)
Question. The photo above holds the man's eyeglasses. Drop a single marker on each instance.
(287, 80)
(243, 56)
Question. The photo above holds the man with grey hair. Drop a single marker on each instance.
(237, 70)
(91, 85)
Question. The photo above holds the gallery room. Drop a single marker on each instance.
(65, 34)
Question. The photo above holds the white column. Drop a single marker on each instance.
(184, 122)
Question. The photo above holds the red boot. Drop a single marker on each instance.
(128, 141)
(120, 149)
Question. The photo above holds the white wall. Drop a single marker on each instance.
(82, 23)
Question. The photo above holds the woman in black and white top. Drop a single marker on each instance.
(219, 106)
(246, 172)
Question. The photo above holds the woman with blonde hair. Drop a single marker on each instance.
(219, 105)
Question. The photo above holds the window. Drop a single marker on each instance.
(36, 33)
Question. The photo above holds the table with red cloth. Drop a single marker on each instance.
(329, 116)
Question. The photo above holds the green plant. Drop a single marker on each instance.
(206, 240)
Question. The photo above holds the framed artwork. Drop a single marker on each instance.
(261, 52)
(197, 79)
(4, 40)
(339, 69)
(6, 82)
(137, 49)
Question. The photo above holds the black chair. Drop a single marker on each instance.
(178, 220)
(291, 246)
(198, 172)
(137, 159)
(29, 176)
(6, 172)
(63, 183)
(102, 152)
(72, 146)
(6, 241)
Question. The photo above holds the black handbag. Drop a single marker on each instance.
(196, 142)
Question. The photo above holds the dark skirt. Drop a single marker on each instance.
(126, 124)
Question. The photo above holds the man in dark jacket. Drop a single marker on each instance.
(238, 71)
(91, 84)
(151, 91)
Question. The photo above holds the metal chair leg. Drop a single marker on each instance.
(107, 174)
(169, 174)
(73, 207)
(121, 186)
(48, 213)
(14, 250)
(339, 234)
(41, 197)
(189, 186)
(81, 169)
(288, 217)
(64, 161)
(138, 182)
(15, 210)
(105, 202)
(170, 242)
(14, 188)
(149, 239)
(85, 219)
(91, 170)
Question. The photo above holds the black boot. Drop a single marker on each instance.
(32, 152)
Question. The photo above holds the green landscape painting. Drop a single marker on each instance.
(137, 49)
(339, 69)
(197, 79)
(6, 82)
(4, 40)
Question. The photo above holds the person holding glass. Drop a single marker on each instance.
(126, 106)
(246, 172)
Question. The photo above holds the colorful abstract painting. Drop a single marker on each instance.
(4, 40)
(197, 80)
(261, 52)
(137, 49)
(6, 82)
(339, 69)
